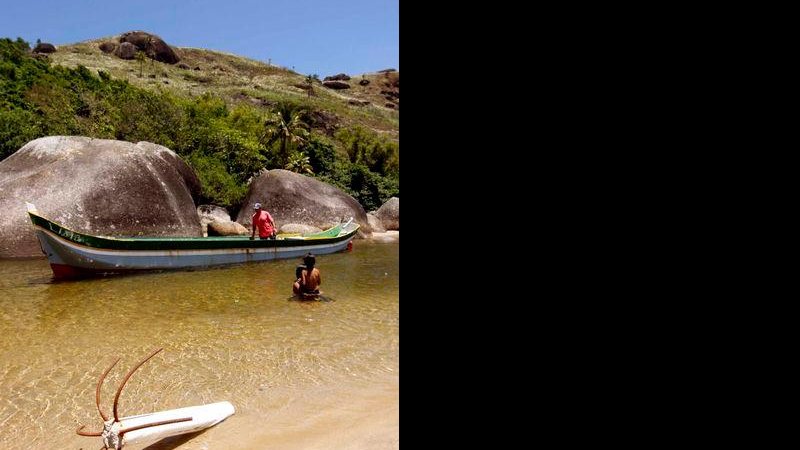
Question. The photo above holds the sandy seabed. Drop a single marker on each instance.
(371, 424)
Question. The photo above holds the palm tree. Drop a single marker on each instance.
(310, 82)
(299, 162)
(288, 126)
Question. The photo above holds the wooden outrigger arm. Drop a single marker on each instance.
(113, 432)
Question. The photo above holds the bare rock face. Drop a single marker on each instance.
(226, 229)
(375, 223)
(153, 46)
(391, 94)
(336, 84)
(95, 186)
(293, 198)
(291, 228)
(389, 214)
(44, 47)
(126, 50)
(339, 77)
(108, 47)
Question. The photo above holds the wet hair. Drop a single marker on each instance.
(298, 271)
(309, 261)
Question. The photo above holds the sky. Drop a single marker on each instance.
(322, 37)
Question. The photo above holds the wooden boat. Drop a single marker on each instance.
(73, 254)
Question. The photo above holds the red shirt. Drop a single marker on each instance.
(263, 221)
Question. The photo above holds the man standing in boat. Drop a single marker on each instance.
(263, 221)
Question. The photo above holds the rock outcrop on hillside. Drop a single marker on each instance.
(107, 47)
(336, 85)
(126, 50)
(324, 121)
(152, 46)
(338, 77)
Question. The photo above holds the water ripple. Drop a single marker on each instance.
(228, 334)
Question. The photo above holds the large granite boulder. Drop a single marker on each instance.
(389, 214)
(293, 198)
(153, 46)
(375, 223)
(298, 228)
(126, 50)
(108, 47)
(95, 186)
(226, 229)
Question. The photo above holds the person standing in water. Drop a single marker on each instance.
(309, 279)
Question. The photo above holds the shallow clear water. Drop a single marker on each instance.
(289, 368)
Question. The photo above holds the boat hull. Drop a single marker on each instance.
(73, 255)
(203, 417)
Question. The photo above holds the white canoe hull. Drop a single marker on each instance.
(203, 416)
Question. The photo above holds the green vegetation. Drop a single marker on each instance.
(226, 142)
(288, 126)
(141, 58)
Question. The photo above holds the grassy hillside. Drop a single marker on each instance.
(237, 79)
(229, 117)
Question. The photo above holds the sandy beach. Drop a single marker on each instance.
(370, 421)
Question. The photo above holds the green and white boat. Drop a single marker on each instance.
(73, 254)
